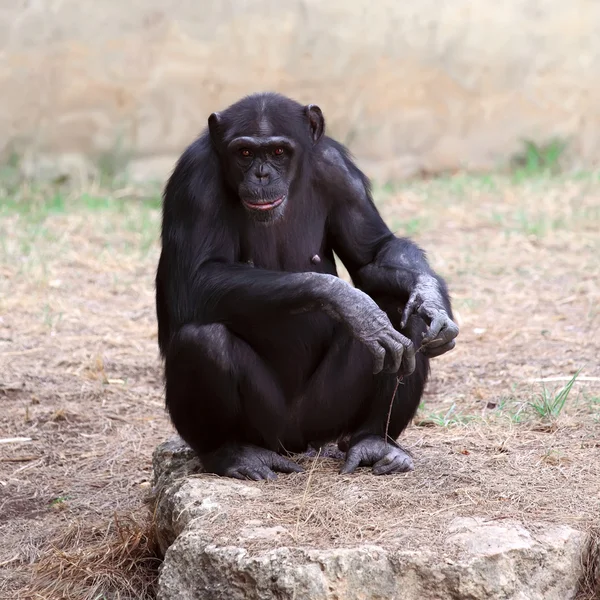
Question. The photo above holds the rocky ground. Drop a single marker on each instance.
(499, 438)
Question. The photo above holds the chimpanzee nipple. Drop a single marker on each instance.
(316, 259)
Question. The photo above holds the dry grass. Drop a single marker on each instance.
(590, 581)
(114, 560)
(477, 470)
(80, 377)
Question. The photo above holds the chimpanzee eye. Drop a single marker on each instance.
(245, 152)
(278, 151)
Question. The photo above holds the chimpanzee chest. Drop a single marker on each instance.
(292, 344)
(284, 246)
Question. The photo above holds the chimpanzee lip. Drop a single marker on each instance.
(264, 205)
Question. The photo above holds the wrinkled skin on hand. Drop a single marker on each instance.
(245, 461)
(425, 302)
(392, 352)
(373, 451)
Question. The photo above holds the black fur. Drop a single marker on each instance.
(265, 350)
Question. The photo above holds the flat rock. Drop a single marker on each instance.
(222, 539)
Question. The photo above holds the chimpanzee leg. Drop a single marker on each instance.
(335, 396)
(225, 403)
(373, 443)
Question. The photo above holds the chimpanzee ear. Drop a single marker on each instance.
(214, 126)
(316, 121)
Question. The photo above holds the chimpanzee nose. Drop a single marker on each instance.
(261, 174)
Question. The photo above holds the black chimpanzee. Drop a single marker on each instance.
(266, 349)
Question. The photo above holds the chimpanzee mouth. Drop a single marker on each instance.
(264, 205)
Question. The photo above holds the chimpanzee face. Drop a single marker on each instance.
(261, 169)
(262, 147)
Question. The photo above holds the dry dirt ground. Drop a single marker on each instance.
(81, 385)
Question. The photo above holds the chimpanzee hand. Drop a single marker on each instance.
(392, 352)
(248, 462)
(385, 458)
(442, 331)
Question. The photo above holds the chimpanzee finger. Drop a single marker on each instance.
(409, 309)
(378, 353)
(393, 355)
(353, 460)
(409, 360)
(432, 351)
(260, 474)
(382, 465)
(393, 463)
(243, 473)
(451, 330)
(424, 348)
(443, 334)
(284, 465)
(267, 473)
(435, 343)
(435, 328)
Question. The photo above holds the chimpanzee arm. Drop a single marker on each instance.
(199, 280)
(378, 261)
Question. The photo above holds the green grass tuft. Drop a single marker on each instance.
(538, 159)
(549, 405)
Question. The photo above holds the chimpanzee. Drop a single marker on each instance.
(267, 351)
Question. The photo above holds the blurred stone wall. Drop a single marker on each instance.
(410, 86)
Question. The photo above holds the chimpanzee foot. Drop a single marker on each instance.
(374, 451)
(245, 461)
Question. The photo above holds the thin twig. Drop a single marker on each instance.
(21, 352)
(19, 458)
(10, 560)
(389, 416)
(561, 378)
(26, 467)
